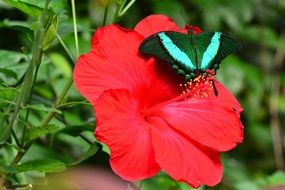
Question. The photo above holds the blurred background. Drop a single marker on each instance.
(256, 75)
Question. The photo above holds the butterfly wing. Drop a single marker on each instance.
(228, 46)
(212, 48)
(153, 46)
(189, 53)
(208, 44)
(172, 47)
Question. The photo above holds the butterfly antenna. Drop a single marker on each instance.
(215, 88)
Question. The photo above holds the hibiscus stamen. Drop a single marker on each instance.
(201, 86)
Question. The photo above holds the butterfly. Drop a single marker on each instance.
(190, 54)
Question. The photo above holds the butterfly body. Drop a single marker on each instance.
(190, 54)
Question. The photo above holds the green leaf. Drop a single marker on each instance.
(61, 63)
(6, 169)
(51, 33)
(42, 107)
(28, 8)
(247, 185)
(90, 152)
(22, 26)
(261, 135)
(225, 12)
(66, 27)
(9, 73)
(72, 131)
(252, 34)
(7, 95)
(281, 105)
(231, 74)
(119, 2)
(9, 58)
(170, 8)
(278, 178)
(36, 132)
(42, 165)
(12, 66)
(57, 6)
(106, 2)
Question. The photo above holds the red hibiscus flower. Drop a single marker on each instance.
(149, 122)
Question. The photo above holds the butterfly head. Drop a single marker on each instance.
(195, 30)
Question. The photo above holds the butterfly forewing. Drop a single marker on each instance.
(172, 47)
(153, 46)
(177, 45)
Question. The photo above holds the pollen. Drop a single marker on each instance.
(199, 87)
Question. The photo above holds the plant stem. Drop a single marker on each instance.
(19, 186)
(75, 27)
(57, 103)
(105, 15)
(2, 181)
(15, 137)
(31, 94)
(18, 157)
(86, 138)
(121, 13)
(273, 105)
(115, 16)
(28, 78)
(122, 6)
(44, 122)
(29, 101)
(59, 100)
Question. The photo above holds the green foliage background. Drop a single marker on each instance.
(53, 125)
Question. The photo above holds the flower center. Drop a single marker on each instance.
(201, 86)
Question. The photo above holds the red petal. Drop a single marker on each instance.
(114, 35)
(156, 23)
(182, 158)
(213, 122)
(226, 97)
(121, 126)
(114, 63)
